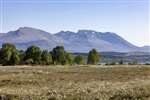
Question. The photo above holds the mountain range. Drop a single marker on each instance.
(81, 41)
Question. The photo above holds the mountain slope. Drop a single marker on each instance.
(84, 40)
(26, 36)
(81, 41)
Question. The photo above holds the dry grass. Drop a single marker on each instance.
(119, 82)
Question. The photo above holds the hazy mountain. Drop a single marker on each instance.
(81, 41)
(145, 48)
(84, 40)
(26, 36)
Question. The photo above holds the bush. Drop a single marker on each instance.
(68, 59)
(29, 61)
(79, 60)
(46, 58)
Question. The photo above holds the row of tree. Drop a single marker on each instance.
(9, 55)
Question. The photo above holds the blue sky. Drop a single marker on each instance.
(127, 18)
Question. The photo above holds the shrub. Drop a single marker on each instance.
(79, 60)
(68, 58)
(46, 58)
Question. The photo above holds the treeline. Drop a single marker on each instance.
(9, 55)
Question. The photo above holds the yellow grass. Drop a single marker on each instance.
(97, 82)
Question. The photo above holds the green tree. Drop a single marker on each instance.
(93, 57)
(79, 60)
(58, 55)
(22, 55)
(46, 58)
(9, 55)
(68, 59)
(33, 54)
(15, 58)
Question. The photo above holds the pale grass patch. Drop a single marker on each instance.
(94, 82)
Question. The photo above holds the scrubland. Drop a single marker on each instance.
(85, 82)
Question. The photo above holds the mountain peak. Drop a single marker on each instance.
(28, 29)
(86, 31)
(31, 31)
(25, 27)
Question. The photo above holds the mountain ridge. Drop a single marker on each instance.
(80, 41)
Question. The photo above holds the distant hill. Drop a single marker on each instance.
(81, 41)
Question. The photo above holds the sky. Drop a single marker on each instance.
(127, 18)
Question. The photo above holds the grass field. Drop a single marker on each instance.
(118, 82)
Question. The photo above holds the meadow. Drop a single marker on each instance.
(77, 82)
